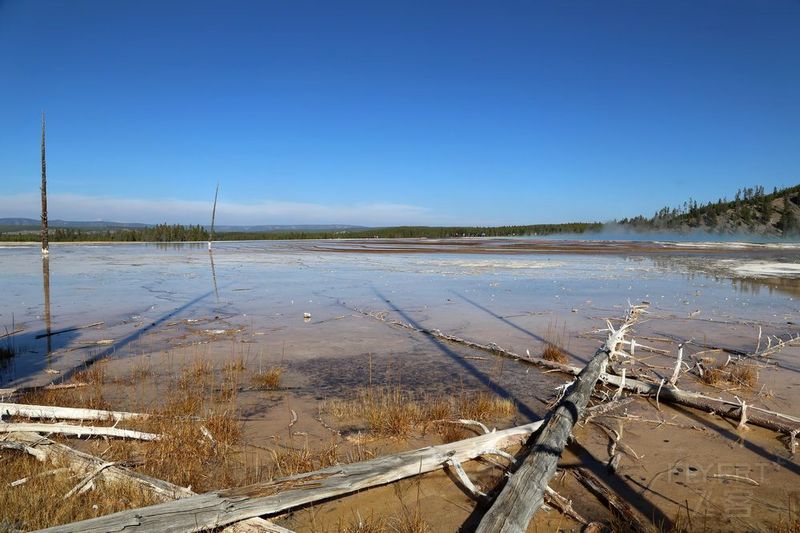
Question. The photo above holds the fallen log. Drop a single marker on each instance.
(45, 449)
(525, 490)
(64, 413)
(78, 431)
(223, 507)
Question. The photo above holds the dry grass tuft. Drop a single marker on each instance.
(269, 379)
(721, 375)
(392, 412)
(484, 407)
(290, 460)
(554, 347)
(90, 397)
(745, 375)
(39, 503)
(553, 353)
(406, 521)
(141, 369)
(371, 524)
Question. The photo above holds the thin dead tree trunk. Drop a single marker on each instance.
(524, 493)
(213, 216)
(45, 242)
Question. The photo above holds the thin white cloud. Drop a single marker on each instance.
(79, 207)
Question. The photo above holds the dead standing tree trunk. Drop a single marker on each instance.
(524, 493)
(45, 242)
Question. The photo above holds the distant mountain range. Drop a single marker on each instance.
(28, 224)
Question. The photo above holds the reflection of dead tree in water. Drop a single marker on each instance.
(213, 271)
(46, 287)
(213, 217)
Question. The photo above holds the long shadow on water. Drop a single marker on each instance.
(515, 326)
(66, 376)
(466, 365)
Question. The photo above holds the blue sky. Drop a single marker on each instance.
(385, 113)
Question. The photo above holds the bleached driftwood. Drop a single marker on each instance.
(45, 449)
(78, 431)
(219, 508)
(64, 413)
(677, 372)
(525, 490)
(87, 482)
(465, 481)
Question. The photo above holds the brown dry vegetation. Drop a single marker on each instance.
(39, 503)
(196, 411)
(269, 379)
(195, 407)
(722, 374)
(405, 522)
(394, 412)
(554, 343)
(553, 353)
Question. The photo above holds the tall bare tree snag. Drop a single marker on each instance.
(213, 216)
(45, 243)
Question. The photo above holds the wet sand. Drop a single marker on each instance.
(169, 305)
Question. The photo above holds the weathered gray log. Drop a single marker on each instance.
(524, 492)
(219, 508)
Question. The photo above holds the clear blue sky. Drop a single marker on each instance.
(405, 112)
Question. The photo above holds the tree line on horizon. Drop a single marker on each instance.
(752, 210)
(181, 233)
